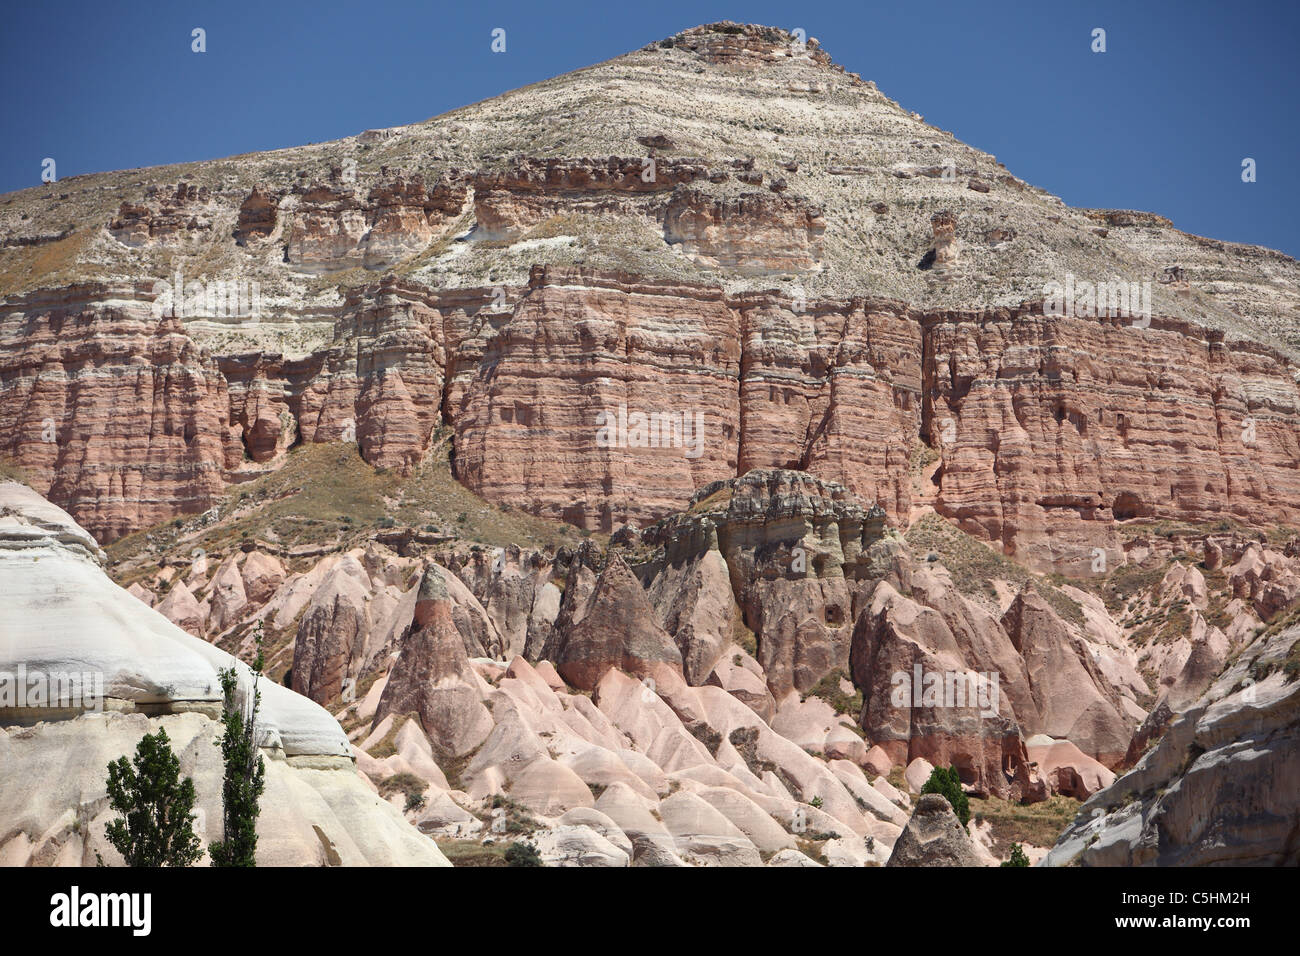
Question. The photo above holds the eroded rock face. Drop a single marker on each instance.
(646, 391)
(509, 202)
(794, 545)
(693, 600)
(618, 629)
(946, 248)
(934, 837)
(112, 411)
(644, 410)
(1066, 769)
(330, 646)
(1073, 700)
(515, 589)
(163, 216)
(791, 545)
(1056, 426)
(381, 383)
(407, 216)
(1220, 787)
(261, 405)
(258, 216)
(432, 677)
(63, 616)
(754, 234)
(1269, 580)
(744, 46)
(934, 690)
(832, 388)
(335, 226)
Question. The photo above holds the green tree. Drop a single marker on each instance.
(1017, 857)
(947, 784)
(245, 776)
(157, 807)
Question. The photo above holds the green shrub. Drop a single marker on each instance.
(947, 784)
(406, 782)
(523, 854)
(1017, 857)
(828, 689)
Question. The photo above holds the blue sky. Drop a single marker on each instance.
(1161, 121)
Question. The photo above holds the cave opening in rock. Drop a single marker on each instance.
(1127, 505)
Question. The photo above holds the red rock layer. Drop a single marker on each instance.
(261, 408)
(335, 227)
(582, 344)
(1050, 427)
(114, 413)
(509, 202)
(379, 384)
(833, 389)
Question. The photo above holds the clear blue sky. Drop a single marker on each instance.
(1161, 121)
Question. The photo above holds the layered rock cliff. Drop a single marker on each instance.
(726, 302)
(537, 283)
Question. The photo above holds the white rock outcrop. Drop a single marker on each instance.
(63, 619)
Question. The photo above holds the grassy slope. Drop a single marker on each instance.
(326, 495)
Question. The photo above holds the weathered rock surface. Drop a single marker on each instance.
(598, 340)
(163, 216)
(331, 642)
(1220, 787)
(1073, 700)
(432, 677)
(114, 413)
(63, 616)
(1058, 426)
(642, 411)
(793, 545)
(934, 837)
(335, 226)
(752, 234)
(618, 630)
(510, 202)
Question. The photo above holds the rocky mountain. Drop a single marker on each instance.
(661, 484)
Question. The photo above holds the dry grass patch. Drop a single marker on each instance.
(1038, 824)
(974, 565)
(472, 853)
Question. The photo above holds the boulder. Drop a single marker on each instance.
(917, 773)
(262, 576)
(577, 845)
(933, 837)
